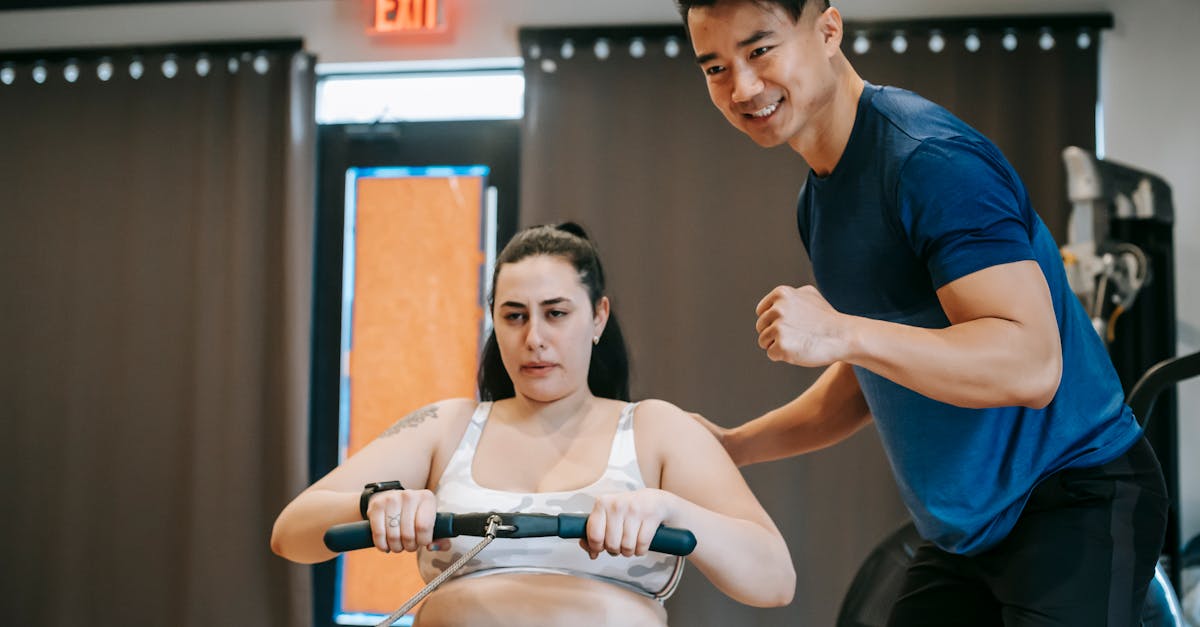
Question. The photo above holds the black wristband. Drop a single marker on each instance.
(370, 489)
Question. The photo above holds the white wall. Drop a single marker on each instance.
(1148, 90)
(1148, 83)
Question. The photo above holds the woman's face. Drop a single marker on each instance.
(544, 324)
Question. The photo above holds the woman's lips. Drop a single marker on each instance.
(537, 368)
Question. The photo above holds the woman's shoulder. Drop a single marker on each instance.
(457, 406)
(448, 407)
(667, 434)
(436, 417)
(658, 407)
(457, 410)
(659, 416)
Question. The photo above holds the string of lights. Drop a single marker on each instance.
(1046, 39)
(547, 47)
(71, 66)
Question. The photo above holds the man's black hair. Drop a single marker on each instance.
(793, 7)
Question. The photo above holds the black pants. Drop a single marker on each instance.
(1082, 553)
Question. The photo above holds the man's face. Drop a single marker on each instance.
(767, 74)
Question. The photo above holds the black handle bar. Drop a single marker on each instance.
(357, 535)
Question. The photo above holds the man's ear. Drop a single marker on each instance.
(829, 26)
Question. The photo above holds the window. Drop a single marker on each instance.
(421, 96)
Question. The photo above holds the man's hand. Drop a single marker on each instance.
(797, 325)
(721, 433)
(725, 436)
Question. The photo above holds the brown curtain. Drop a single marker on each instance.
(1031, 102)
(695, 224)
(156, 238)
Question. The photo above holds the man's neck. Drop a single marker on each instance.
(823, 148)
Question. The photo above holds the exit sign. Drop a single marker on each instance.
(409, 16)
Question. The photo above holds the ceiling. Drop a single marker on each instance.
(7, 5)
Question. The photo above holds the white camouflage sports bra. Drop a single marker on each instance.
(654, 575)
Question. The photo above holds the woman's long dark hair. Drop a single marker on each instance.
(608, 373)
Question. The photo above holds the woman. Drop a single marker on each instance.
(554, 417)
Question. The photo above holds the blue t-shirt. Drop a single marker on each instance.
(918, 200)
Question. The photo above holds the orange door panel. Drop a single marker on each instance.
(416, 255)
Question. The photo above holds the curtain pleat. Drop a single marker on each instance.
(155, 289)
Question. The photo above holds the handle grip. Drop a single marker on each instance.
(349, 537)
(669, 540)
(357, 535)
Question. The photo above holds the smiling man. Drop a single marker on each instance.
(941, 312)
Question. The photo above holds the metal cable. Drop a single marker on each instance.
(489, 535)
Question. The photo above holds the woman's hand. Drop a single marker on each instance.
(624, 523)
(402, 520)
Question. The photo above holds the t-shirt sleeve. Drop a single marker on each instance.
(961, 210)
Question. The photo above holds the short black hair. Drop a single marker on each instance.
(794, 8)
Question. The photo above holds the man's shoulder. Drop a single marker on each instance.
(914, 117)
(918, 131)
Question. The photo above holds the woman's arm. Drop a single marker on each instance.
(403, 452)
(738, 547)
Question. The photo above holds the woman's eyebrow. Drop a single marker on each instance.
(545, 303)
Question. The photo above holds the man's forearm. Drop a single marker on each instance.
(989, 362)
(830, 411)
(1002, 347)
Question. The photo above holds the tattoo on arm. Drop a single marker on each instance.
(412, 420)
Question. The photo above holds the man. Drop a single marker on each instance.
(942, 312)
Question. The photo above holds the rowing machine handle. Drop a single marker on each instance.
(357, 535)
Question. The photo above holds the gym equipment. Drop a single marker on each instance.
(489, 526)
(1107, 274)
(1119, 257)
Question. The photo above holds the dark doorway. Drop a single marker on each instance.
(491, 143)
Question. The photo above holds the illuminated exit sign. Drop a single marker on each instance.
(409, 16)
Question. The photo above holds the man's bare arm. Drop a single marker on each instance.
(1001, 348)
(829, 411)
